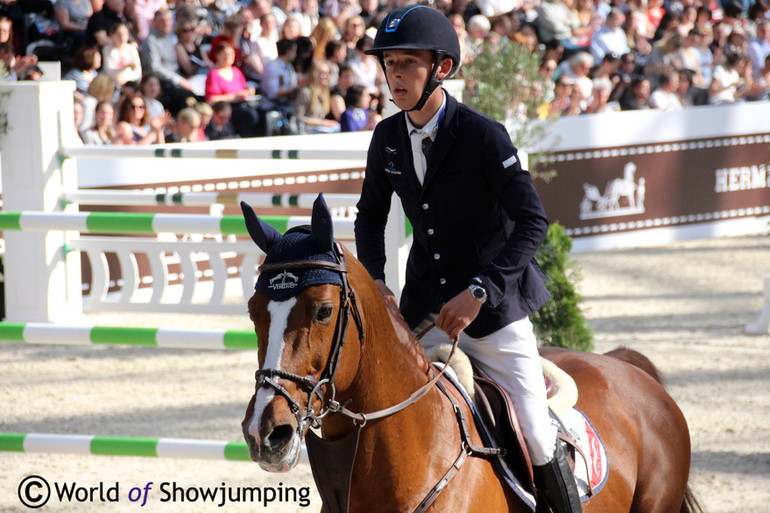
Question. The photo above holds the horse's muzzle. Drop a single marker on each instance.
(273, 437)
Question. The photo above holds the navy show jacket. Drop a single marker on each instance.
(477, 214)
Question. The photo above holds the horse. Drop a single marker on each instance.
(369, 381)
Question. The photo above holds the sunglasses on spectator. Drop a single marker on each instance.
(137, 106)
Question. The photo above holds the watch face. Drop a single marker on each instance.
(478, 292)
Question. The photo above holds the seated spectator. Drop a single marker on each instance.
(220, 127)
(335, 55)
(578, 67)
(85, 63)
(762, 83)
(14, 66)
(600, 98)
(545, 81)
(72, 17)
(366, 67)
(759, 48)
(149, 87)
(6, 32)
(736, 42)
(666, 56)
(268, 39)
(357, 115)
(557, 20)
(190, 56)
(478, 28)
(639, 32)
(102, 132)
(352, 30)
(133, 111)
(77, 116)
(561, 99)
(732, 80)
(665, 96)
(637, 95)
(231, 33)
(458, 22)
(291, 29)
(121, 58)
(102, 88)
(324, 32)
(226, 83)
(188, 121)
(346, 79)
(205, 112)
(279, 82)
(143, 14)
(97, 29)
(314, 104)
(610, 38)
(158, 56)
(303, 62)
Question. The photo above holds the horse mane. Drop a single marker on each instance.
(375, 306)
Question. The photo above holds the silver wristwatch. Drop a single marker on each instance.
(479, 292)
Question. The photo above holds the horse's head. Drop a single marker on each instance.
(300, 310)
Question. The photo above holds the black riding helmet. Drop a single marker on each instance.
(419, 27)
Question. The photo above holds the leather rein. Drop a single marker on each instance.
(307, 416)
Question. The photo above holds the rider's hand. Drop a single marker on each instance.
(458, 313)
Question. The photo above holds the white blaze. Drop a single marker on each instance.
(279, 320)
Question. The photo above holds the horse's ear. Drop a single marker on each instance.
(261, 233)
(321, 224)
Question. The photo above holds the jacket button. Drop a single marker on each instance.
(436, 256)
(425, 206)
(430, 231)
(442, 281)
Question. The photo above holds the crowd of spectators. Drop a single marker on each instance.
(150, 71)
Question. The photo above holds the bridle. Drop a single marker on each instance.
(307, 416)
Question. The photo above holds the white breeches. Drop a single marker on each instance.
(509, 356)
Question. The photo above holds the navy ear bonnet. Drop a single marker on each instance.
(297, 244)
(300, 244)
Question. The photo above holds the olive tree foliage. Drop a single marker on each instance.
(504, 83)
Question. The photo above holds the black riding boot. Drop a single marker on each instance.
(556, 485)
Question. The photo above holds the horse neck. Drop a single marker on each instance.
(391, 363)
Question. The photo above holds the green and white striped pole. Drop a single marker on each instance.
(45, 333)
(136, 223)
(124, 446)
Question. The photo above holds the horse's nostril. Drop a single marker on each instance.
(280, 435)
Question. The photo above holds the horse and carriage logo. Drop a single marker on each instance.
(622, 196)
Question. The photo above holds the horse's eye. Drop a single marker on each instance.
(324, 313)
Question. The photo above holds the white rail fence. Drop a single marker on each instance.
(174, 262)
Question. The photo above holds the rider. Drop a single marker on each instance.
(477, 223)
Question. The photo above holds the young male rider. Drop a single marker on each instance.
(477, 223)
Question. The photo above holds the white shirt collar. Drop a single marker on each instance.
(431, 126)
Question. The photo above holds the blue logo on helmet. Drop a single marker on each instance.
(393, 22)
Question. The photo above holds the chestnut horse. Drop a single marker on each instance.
(319, 370)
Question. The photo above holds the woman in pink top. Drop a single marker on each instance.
(227, 83)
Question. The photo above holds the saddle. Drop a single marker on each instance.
(498, 425)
